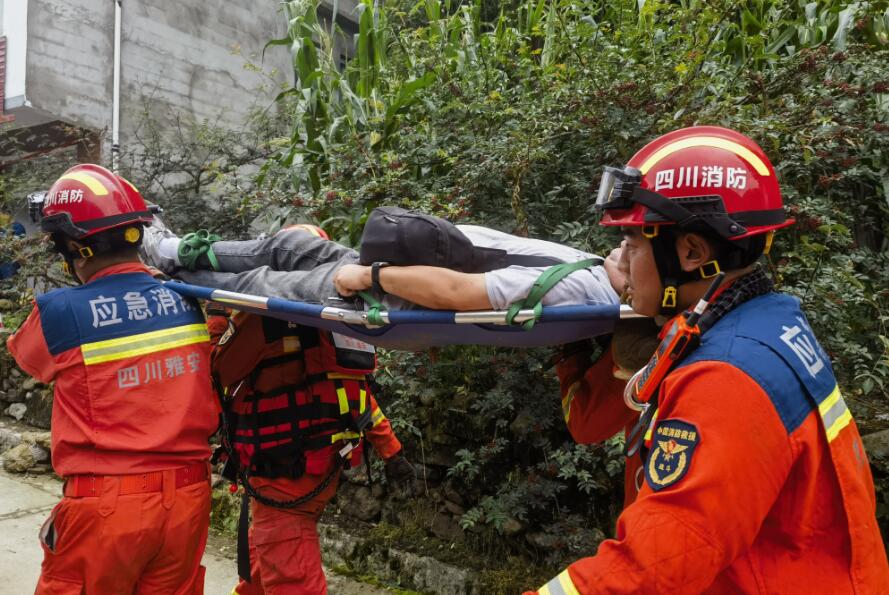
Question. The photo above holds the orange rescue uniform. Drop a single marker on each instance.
(132, 414)
(756, 477)
(594, 410)
(285, 556)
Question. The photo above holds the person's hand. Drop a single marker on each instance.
(633, 343)
(618, 279)
(400, 473)
(352, 278)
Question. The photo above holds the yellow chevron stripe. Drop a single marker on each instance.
(707, 141)
(115, 349)
(95, 186)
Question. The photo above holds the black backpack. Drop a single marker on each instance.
(401, 237)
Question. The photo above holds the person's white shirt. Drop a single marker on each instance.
(509, 285)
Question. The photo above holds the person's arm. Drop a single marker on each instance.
(592, 398)
(30, 351)
(431, 287)
(705, 496)
(380, 434)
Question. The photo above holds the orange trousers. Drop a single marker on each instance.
(285, 556)
(133, 544)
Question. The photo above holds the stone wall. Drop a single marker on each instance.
(184, 56)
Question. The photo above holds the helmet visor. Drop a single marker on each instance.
(617, 187)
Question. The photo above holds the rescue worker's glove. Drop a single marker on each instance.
(633, 343)
(401, 474)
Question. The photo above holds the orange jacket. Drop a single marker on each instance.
(130, 360)
(756, 478)
(593, 406)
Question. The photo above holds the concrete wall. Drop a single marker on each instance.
(13, 25)
(177, 54)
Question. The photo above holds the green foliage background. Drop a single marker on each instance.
(503, 113)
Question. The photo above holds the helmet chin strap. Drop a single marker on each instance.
(663, 244)
(70, 256)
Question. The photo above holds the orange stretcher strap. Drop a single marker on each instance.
(85, 486)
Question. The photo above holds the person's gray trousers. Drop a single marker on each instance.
(291, 264)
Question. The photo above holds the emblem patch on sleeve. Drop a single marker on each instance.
(673, 444)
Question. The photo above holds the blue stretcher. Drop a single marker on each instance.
(419, 329)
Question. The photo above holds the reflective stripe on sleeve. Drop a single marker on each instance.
(834, 413)
(377, 418)
(133, 345)
(561, 585)
(566, 400)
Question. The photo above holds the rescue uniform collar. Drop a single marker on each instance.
(119, 269)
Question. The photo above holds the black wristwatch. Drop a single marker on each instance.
(375, 277)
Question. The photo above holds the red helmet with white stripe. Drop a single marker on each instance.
(698, 175)
(308, 228)
(89, 199)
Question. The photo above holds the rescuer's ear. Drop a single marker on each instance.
(694, 251)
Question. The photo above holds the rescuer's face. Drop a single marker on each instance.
(643, 281)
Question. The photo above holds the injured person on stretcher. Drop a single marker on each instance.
(300, 263)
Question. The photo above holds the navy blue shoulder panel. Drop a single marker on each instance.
(111, 307)
(752, 338)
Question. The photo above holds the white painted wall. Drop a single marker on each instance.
(14, 24)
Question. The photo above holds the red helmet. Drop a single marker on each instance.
(309, 228)
(701, 174)
(89, 199)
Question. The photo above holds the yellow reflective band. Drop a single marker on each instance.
(647, 436)
(566, 400)
(362, 400)
(707, 141)
(343, 399)
(339, 376)
(561, 585)
(377, 418)
(95, 186)
(834, 413)
(124, 347)
(344, 436)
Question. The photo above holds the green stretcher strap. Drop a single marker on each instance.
(546, 281)
(374, 307)
(197, 244)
